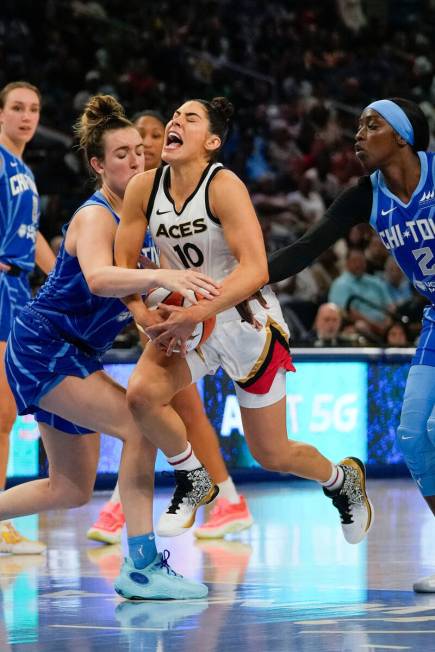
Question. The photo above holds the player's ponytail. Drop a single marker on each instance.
(102, 113)
(219, 112)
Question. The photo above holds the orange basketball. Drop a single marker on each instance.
(202, 331)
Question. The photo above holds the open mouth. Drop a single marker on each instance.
(173, 140)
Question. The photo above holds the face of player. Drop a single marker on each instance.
(20, 115)
(123, 158)
(152, 132)
(376, 143)
(187, 135)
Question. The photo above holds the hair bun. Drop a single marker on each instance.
(223, 106)
(102, 108)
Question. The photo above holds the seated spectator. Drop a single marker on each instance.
(307, 200)
(396, 335)
(397, 285)
(376, 255)
(326, 328)
(364, 297)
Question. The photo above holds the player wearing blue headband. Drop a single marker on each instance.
(398, 199)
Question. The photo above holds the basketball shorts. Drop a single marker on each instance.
(14, 294)
(37, 360)
(255, 360)
(425, 352)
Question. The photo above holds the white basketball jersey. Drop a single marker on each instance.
(193, 237)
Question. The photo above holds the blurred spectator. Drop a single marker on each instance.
(55, 243)
(326, 328)
(364, 297)
(396, 335)
(376, 255)
(307, 201)
(396, 283)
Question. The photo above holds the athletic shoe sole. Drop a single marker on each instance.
(103, 537)
(181, 529)
(228, 528)
(362, 473)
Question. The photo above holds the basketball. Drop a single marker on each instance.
(202, 331)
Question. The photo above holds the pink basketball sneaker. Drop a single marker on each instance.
(225, 518)
(108, 527)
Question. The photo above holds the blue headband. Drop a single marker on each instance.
(396, 118)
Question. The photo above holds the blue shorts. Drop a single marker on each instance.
(425, 353)
(55, 421)
(14, 294)
(37, 359)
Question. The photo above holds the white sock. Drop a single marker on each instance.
(185, 461)
(115, 497)
(228, 490)
(336, 480)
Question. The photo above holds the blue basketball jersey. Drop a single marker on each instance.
(19, 211)
(150, 249)
(67, 303)
(408, 230)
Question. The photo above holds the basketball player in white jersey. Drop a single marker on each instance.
(201, 217)
(230, 513)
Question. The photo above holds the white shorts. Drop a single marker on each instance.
(256, 360)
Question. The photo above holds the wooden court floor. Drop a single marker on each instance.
(290, 583)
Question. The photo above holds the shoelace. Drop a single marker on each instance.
(163, 563)
(341, 502)
(182, 488)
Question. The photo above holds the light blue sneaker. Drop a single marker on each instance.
(157, 581)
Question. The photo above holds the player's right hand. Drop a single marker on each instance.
(182, 280)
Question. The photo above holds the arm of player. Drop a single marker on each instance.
(351, 207)
(92, 236)
(128, 244)
(44, 256)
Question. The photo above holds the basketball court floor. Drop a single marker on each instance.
(290, 583)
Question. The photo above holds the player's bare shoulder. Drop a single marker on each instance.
(224, 187)
(139, 189)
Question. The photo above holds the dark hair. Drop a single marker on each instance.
(149, 113)
(219, 112)
(102, 113)
(4, 92)
(418, 121)
(352, 250)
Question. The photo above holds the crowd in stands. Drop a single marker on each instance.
(298, 73)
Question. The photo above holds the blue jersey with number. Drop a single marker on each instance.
(19, 211)
(66, 301)
(408, 230)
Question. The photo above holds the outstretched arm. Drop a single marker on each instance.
(351, 207)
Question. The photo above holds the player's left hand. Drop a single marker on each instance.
(172, 335)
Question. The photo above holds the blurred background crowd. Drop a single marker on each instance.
(298, 73)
